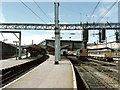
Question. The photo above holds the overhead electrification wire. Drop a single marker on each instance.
(106, 11)
(95, 9)
(32, 11)
(2, 35)
(42, 11)
(16, 35)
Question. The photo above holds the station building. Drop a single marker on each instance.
(70, 45)
(114, 45)
(6, 50)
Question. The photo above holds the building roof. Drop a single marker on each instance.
(103, 49)
(102, 43)
(60, 40)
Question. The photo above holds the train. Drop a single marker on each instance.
(82, 54)
(36, 50)
(103, 54)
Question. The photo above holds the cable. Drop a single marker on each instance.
(42, 11)
(2, 35)
(32, 11)
(16, 35)
(95, 8)
(106, 11)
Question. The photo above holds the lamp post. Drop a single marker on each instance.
(16, 47)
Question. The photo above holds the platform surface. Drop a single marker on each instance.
(47, 75)
(7, 63)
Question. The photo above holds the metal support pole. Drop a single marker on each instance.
(106, 42)
(20, 45)
(16, 48)
(16, 51)
(57, 34)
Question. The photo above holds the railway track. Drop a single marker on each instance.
(12, 73)
(92, 80)
(97, 74)
(112, 74)
(103, 62)
(107, 68)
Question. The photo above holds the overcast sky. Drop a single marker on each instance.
(70, 12)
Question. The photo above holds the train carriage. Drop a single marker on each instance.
(101, 53)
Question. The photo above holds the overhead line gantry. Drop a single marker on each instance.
(57, 27)
(81, 26)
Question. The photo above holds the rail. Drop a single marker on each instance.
(93, 81)
(102, 75)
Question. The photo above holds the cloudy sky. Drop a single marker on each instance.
(70, 12)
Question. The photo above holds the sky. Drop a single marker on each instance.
(69, 12)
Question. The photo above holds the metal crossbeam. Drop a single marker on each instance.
(10, 31)
(81, 26)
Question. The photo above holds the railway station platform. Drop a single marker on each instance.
(7, 63)
(47, 75)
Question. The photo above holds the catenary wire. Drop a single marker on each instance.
(95, 8)
(105, 13)
(42, 11)
(32, 11)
